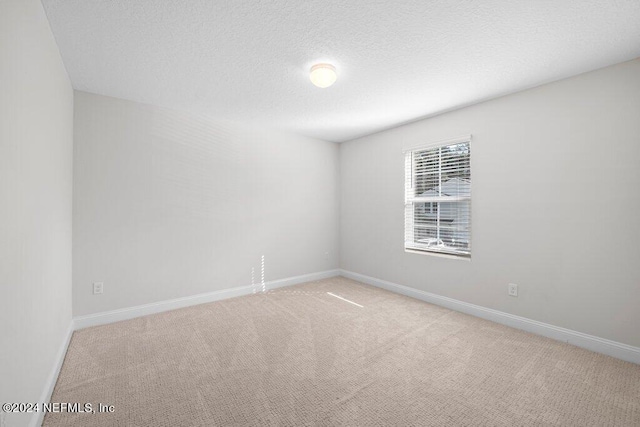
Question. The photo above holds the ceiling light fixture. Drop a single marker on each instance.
(323, 75)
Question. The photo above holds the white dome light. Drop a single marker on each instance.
(323, 75)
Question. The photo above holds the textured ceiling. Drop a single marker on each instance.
(397, 61)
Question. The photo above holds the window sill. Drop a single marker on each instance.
(438, 254)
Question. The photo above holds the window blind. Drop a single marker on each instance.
(438, 198)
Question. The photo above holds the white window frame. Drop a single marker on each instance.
(410, 198)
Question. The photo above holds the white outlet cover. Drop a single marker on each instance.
(98, 288)
(513, 289)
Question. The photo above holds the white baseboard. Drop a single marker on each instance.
(38, 417)
(81, 322)
(579, 339)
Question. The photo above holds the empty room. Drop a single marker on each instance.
(319, 213)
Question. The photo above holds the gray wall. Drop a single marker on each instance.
(168, 205)
(556, 199)
(36, 130)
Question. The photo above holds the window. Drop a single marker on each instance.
(438, 198)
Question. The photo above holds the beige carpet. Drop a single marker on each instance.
(300, 356)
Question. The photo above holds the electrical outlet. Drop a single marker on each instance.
(98, 287)
(326, 256)
(513, 290)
